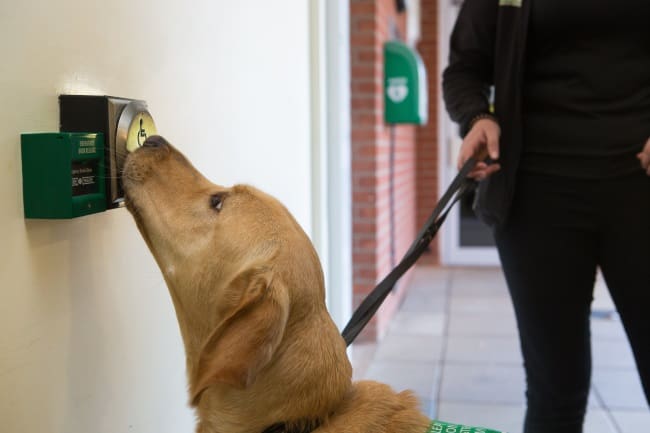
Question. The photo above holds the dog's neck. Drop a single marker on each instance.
(300, 398)
(307, 379)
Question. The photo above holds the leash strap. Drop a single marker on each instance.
(460, 186)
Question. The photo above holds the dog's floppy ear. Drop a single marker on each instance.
(245, 341)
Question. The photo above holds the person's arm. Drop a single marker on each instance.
(644, 157)
(467, 80)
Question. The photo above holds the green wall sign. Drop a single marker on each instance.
(405, 85)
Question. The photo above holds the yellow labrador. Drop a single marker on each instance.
(262, 351)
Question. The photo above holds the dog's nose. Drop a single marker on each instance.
(155, 141)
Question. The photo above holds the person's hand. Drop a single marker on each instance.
(644, 157)
(481, 141)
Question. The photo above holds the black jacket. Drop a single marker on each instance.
(487, 49)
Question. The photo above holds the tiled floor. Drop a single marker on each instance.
(454, 342)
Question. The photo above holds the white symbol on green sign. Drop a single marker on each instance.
(397, 89)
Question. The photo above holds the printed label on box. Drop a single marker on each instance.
(84, 177)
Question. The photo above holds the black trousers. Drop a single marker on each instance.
(559, 232)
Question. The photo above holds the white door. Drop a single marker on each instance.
(464, 239)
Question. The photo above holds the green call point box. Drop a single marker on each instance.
(63, 174)
(405, 85)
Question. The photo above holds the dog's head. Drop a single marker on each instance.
(245, 279)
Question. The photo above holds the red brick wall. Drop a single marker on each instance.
(370, 27)
(427, 136)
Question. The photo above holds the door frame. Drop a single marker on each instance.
(330, 148)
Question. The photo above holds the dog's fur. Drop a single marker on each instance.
(249, 296)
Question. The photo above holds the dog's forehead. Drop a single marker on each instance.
(254, 195)
(263, 211)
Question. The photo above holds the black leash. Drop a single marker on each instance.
(460, 186)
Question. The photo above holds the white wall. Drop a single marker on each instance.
(89, 340)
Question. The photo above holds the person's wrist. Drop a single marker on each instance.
(482, 116)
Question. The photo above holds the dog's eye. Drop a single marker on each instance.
(216, 201)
